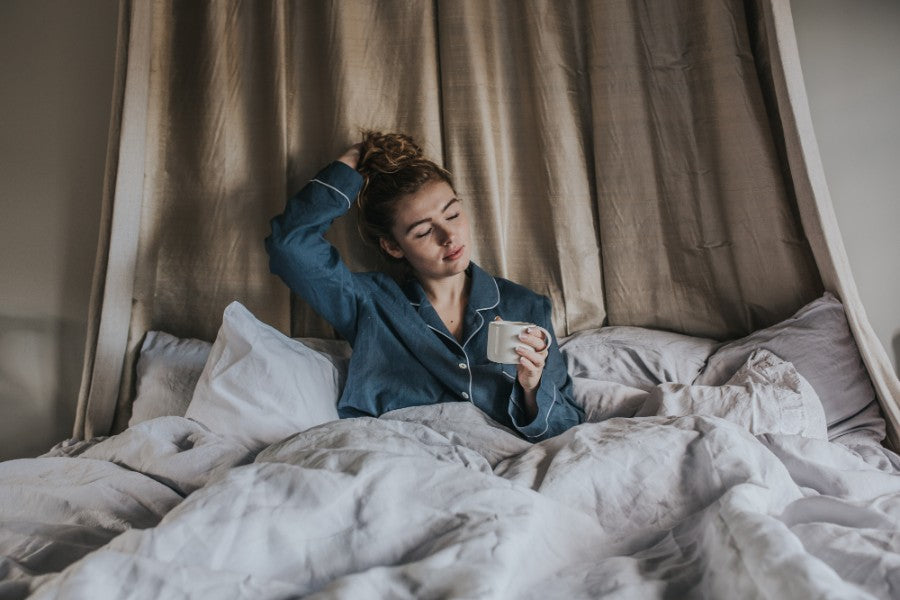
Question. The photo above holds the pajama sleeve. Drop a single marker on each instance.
(557, 411)
(305, 260)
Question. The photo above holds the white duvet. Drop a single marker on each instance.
(439, 502)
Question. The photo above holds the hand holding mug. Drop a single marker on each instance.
(533, 356)
(522, 344)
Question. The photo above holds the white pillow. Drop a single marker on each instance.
(169, 367)
(167, 372)
(635, 356)
(766, 395)
(260, 386)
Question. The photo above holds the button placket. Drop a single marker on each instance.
(465, 367)
(462, 366)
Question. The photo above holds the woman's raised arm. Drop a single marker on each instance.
(303, 258)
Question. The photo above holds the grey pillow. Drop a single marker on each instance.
(635, 356)
(169, 367)
(167, 372)
(818, 341)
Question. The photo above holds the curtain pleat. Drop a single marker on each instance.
(624, 158)
(110, 357)
(81, 429)
(517, 123)
(695, 228)
(782, 71)
(352, 66)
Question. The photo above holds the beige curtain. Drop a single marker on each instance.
(628, 159)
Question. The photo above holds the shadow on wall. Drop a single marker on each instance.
(40, 372)
(896, 345)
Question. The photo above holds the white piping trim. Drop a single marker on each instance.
(496, 287)
(546, 419)
(468, 366)
(335, 189)
(477, 329)
(481, 316)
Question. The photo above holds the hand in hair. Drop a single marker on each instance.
(351, 156)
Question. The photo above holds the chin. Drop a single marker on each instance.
(460, 265)
(465, 262)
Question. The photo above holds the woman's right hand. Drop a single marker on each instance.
(351, 156)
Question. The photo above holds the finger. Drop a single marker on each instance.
(527, 369)
(538, 343)
(528, 374)
(541, 334)
(531, 355)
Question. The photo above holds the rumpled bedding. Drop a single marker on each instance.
(439, 501)
(76, 498)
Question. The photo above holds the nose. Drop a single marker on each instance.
(446, 237)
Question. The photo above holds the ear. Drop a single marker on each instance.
(391, 247)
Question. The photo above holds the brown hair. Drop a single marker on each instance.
(392, 166)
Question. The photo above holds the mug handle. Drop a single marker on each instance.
(547, 337)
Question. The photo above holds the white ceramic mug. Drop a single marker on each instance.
(503, 337)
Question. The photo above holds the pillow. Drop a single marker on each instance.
(766, 395)
(259, 386)
(337, 351)
(169, 367)
(167, 372)
(818, 341)
(635, 357)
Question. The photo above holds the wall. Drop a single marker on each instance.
(850, 56)
(57, 62)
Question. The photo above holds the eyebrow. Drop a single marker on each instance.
(428, 220)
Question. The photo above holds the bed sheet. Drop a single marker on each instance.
(59, 507)
(438, 501)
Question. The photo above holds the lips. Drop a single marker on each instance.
(454, 254)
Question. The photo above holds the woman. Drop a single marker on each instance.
(422, 340)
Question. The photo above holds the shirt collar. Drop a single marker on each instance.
(483, 294)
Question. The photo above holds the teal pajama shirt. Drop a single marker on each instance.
(403, 354)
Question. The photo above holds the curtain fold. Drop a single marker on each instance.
(517, 123)
(115, 269)
(629, 161)
(123, 28)
(814, 203)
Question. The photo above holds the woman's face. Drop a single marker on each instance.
(431, 231)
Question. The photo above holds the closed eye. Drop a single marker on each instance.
(424, 233)
(451, 217)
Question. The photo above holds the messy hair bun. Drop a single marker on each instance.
(387, 152)
(392, 166)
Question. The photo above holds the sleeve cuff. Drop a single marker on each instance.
(343, 180)
(538, 427)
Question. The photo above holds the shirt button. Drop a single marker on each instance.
(465, 396)
(462, 365)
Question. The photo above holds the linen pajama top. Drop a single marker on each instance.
(403, 354)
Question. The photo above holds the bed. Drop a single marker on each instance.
(752, 468)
